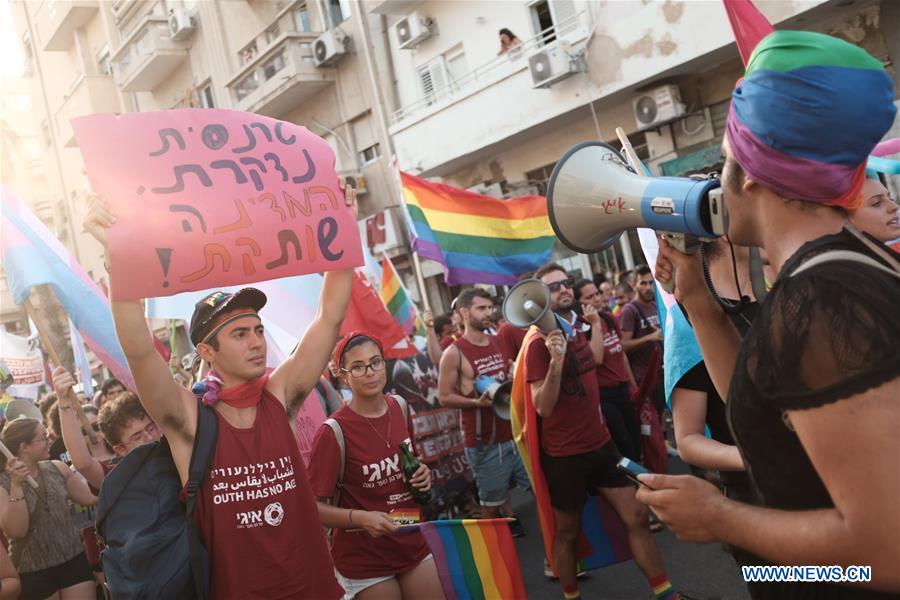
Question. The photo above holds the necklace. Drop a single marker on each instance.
(387, 442)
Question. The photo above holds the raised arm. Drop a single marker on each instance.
(434, 344)
(592, 318)
(545, 393)
(167, 403)
(84, 463)
(717, 336)
(297, 376)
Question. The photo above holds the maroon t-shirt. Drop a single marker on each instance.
(640, 319)
(373, 480)
(447, 341)
(613, 371)
(511, 339)
(576, 425)
(485, 360)
(258, 516)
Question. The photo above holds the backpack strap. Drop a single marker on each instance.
(844, 255)
(339, 438)
(205, 439)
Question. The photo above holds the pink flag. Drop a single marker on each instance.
(749, 26)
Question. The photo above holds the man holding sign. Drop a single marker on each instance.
(255, 510)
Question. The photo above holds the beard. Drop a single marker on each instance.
(564, 305)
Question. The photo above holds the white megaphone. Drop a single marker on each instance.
(528, 303)
(593, 196)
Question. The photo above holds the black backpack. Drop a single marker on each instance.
(150, 543)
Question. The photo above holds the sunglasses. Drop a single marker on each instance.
(558, 285)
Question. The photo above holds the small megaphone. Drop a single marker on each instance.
(593, 196)
(499, 393)
(528, 303)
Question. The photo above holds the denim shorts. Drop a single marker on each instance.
(497, 469)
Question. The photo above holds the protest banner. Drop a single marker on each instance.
(438, 438)
(210, 197)
(23, 358)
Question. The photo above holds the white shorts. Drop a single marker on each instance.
(352, 587)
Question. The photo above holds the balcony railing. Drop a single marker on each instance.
(573, 29)
(89, 94)
(281, 76)
(57, 20)
(148, 56)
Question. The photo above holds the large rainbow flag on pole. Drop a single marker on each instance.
(476, 559)
(32, 256)
(603, 540)
(477, 238)
(395, 298)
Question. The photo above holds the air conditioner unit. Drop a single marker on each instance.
(413, 30)
(330, 47)
(550, 65)
(358, 182)
(658, 107)
(494, 190)
(181, 25)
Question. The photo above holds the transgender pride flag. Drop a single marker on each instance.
(32, 256)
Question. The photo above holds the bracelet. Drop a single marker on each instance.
(350, 516)
(19, 499)
(66, 408)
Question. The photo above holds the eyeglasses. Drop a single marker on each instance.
(147, 432)
(359, 370)
(41, 439)
(565, 283)
(94, 426)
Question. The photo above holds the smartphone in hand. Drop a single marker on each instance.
(631, 470)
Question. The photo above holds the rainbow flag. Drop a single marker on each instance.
(477, 238)
(748, 24)
(395, 298)
(32, 256)
(476, 559)
(603, 540)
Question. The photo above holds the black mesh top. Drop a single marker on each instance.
(822, 336)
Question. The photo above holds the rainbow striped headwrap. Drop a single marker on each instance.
(807, 114)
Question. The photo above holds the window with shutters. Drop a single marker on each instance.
(434, 80)
(457, 67)
(554, 18)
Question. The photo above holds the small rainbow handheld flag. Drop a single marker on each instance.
(395, 298)
(476, 559)
(477, 238)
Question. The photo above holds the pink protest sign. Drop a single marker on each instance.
(207, 198)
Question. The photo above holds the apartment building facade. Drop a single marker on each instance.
(303, 61)
(419, 81)
(663, 71)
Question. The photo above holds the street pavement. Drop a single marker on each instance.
(702, 571)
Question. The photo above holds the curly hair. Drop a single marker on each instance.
(115, 415)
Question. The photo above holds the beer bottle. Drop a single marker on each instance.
(410, 464)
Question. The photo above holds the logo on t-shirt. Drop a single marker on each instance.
(274, 514)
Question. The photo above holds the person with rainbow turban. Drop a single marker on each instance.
(813, 390)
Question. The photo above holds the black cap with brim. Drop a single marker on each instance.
(203, 320)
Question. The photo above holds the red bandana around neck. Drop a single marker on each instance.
(244, 395)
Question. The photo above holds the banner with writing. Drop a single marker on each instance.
(205, 198)
(438, 439)
(22, 357)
